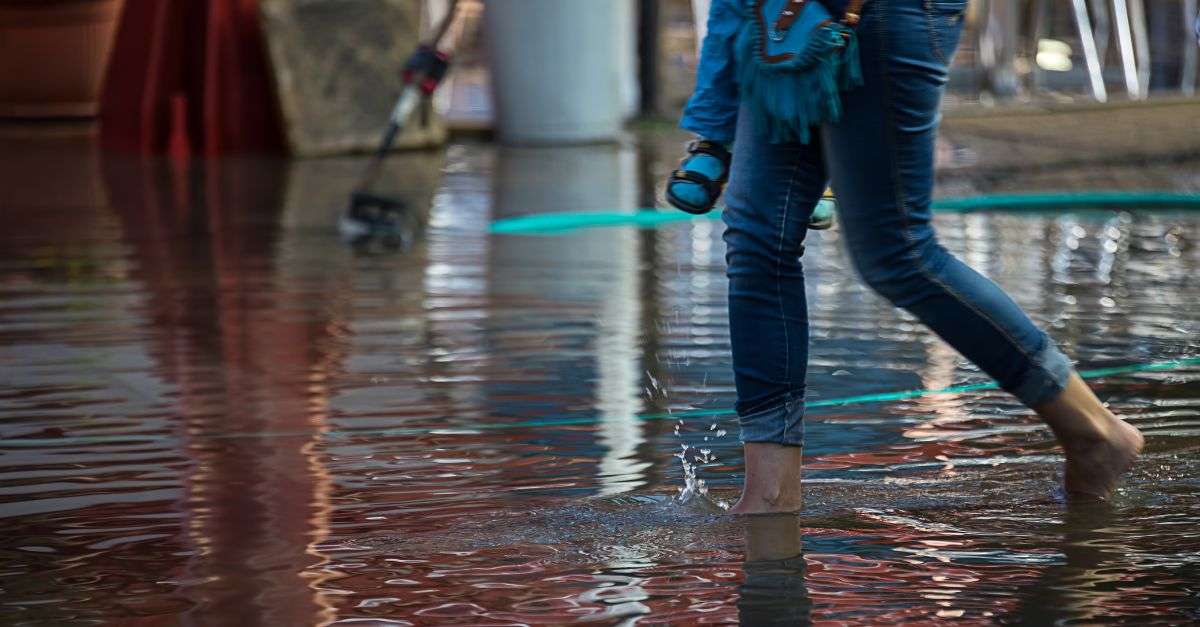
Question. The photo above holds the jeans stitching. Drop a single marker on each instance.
(913, 253)
(787, 201)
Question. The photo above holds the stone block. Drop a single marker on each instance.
(337, 66)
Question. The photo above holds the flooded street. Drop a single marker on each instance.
(213, 411)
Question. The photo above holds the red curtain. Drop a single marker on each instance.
(190, 77)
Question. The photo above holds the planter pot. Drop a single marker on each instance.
(557, 69)
(53, 55)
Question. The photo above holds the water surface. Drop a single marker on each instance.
(215, 412)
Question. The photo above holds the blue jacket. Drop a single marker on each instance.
(712, 110)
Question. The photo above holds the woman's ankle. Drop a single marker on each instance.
(772, 479)
(1077, 416)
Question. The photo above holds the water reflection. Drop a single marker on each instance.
(585, 178)
(215, 412)
(1096, 576)
(242, 348)
(773, 591)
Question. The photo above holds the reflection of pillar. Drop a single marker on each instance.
(941, 360)
(247, 354)
(654, 364)
(599, 267)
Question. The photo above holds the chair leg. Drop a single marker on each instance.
(1091, 56)
(1103, 28)
(1133, 86)
(1141, 43)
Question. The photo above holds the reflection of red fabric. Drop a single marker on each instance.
(190, 76)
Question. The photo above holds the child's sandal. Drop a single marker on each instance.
(823, 214)
(712, 187)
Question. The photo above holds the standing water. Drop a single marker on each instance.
(214, 412)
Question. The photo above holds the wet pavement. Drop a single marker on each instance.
(214, 411)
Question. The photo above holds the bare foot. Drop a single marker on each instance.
(1093, 469)
(1099, 446)
(772, 480)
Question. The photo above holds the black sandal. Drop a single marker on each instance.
(713, 187)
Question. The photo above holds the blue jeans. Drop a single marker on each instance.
(880, 159)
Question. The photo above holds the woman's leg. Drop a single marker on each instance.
(772, 191)
(881, 158)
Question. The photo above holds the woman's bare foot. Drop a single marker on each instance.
(1099, 446)
(1093, 469)
(772, 480)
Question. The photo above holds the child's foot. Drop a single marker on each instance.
(822, 217)
(700, 179)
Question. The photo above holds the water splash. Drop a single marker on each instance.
(695, 490)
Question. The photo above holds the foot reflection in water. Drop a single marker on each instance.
(1095, 577)
(773, 591)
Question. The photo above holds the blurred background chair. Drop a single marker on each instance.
(1006, 29)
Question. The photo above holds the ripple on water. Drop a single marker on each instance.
(213, 414)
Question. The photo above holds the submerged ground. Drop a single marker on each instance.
(213, 411)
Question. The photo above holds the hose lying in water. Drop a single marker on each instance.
(83, 440)
(552, 223)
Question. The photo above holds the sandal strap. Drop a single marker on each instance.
(713, 188)
(712, 149)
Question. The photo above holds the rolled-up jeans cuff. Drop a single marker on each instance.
(782, 423)
(1046, 378)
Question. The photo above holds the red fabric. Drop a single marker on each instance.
(190, 77)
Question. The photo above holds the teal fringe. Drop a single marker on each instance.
(790, 98)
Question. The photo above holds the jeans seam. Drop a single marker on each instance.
(898, 188)
(787, 201)
(935, 41)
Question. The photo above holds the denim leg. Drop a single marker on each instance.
(881, 159)
(772, 191)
